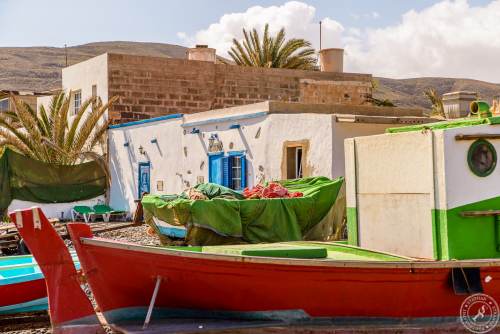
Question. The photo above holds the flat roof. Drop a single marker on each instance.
(277, 107)
(343, 113)
(144, 121)
(6, 93)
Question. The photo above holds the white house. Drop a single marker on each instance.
(239, 146)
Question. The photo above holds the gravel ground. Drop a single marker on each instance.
(136, 234)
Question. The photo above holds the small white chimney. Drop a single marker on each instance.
(331, 60)
(201, 52)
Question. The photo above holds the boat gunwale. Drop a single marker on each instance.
(19, 279)
(410, 264)
(29, 265)
(33, 264)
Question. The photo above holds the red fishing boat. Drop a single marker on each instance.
(22, 292)
(22, 285)
(291, 282)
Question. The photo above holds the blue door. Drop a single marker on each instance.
(215, 166)
(144, 179)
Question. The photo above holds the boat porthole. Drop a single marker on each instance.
(482, 158)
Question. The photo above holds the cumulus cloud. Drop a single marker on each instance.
(449, 38)
(298, 19)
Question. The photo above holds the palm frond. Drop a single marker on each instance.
(61, 121)
(89, 124)
(46, 136)
(70, 137)
(272, 51)
(436, 101)
(7, 139)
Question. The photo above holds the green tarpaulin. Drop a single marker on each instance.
(26, 179)
(222, 220)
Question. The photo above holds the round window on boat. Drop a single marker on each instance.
(482, 158)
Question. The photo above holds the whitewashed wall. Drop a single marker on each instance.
(317, 128)
(165, 157)
(344, 130)
(195, 161)
(43, 100)
(180, 158)
(83, 75)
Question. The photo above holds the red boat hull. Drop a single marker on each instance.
(123, 277)
(23, 292)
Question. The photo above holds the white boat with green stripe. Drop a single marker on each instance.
(427, 191)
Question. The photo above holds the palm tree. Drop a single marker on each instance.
(49, 136)
(273, 51)
(436, 101)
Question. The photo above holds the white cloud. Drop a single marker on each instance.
(297, 18)
(449, 39)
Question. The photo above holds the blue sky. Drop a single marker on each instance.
(419, 33)
(55, 22)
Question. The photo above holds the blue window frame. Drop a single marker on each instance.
(229, 171)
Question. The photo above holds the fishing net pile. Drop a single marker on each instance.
(213, 214)
(272, 190)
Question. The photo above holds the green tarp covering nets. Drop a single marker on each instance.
(26, 179)
(226, 218)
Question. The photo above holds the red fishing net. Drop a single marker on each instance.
(272, 190)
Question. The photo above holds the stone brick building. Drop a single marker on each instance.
(155, 86)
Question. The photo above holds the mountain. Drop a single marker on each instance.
(409, 92)
(39, 69)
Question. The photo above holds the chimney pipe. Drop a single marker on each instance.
(201, 52)
(331, 60)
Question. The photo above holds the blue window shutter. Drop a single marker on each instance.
(226, 171)
(243, 171)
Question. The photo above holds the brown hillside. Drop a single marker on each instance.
(39, 69)
(409, 92)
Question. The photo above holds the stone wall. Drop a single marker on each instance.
(152, 86)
